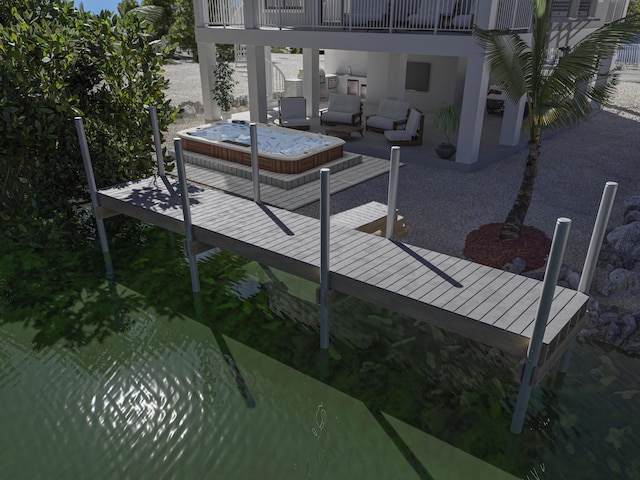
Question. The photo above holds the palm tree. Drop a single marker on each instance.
(556, 98)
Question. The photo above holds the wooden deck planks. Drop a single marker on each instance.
(487, 304)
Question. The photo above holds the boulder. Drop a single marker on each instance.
(632, 216)
(631, 204)
(621, 283)
(625, 238)
(516, 266)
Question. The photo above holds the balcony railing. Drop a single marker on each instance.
(368, 15)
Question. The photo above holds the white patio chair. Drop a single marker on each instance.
(412, 133)
(432, 14)
(390, 115)
(342, 108)
(292, 113)
(367, 13)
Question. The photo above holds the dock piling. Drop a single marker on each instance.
(591, 260)
(552, 272)
(153, 114)
(186, 212)
(255, 167)
(88, 169)
(393, 191)
(324, 256)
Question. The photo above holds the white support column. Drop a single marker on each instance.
(512, 122)
(472, 112)
(207, 62)
(200, 15)
(605, 66)
(256, 67)
(487, 15)
(250, 14)
(310, 81)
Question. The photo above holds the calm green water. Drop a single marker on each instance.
(139, 380)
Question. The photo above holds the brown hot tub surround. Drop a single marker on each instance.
(280, 150)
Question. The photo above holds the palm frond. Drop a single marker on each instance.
(508, 57)
(150, 13)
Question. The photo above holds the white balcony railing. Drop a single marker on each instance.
(377, 15)
(390, 15)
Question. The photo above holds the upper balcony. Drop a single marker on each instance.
(397, 16)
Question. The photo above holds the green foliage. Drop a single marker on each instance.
(556, 98)
(222, 91)
(58, 63)
(560, 97)
(447, 121)
(634, 7)
(182, 31)
(163, 22)
(125, 5)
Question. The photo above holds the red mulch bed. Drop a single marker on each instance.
(485, 246)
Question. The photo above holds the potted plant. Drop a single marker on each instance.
(446, 121)
(222, 91)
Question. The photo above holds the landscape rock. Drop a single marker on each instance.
(573, 279)
(613, 311)
(620, 283)
(631, 204)
(625, 238)
(632, 216)
(516, 266)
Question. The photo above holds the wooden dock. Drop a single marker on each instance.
(485, 304)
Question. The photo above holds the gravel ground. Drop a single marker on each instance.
(442, 206)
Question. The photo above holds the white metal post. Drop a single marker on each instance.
(88, 169)
(255, 167)
(324, 256)
(591, 260)
(186, 212)
(153, 114)
(394, 168)
(544, 306)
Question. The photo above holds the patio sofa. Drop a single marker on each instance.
(342, 108)
(390, 115)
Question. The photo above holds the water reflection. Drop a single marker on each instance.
(119, 377)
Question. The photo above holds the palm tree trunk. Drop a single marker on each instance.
(515, 219)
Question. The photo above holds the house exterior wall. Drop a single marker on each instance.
(380, 55)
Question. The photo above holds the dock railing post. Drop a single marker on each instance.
(186, 212)
(393, 191)
(324, 256)
(255, 167)
(544, 306)
(93, 191)
(591, 260)
(153, 114)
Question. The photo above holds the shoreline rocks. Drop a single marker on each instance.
(613, 312)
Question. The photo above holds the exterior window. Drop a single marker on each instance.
(572, 8)
(560, 8)
(583, 8)
(284, 4)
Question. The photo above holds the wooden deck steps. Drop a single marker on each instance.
(370, 218)
(482, 303)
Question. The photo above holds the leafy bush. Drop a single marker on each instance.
(57, 63)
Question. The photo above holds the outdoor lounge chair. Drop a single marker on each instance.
(390, 115)
(367, 13)
(292, 113)
(432, 14)
(412, 133)
(342, 108)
